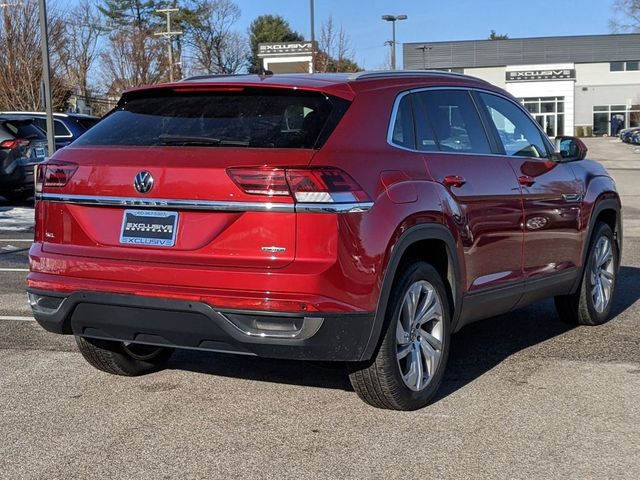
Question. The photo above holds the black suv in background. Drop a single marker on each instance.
(22, 146)
(67, 126)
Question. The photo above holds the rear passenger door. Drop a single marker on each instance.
(481, 193)
(552, 195)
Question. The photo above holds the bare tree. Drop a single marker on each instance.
(627, 16)
(79, 45)
(216, 48)
(132, 57)
(21, 60)
(335, 51)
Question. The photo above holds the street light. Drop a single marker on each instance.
(393, 19)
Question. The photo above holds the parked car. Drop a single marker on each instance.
(627, 133)
(634, 137)
(358, 218)
(22, 146)
(67, 126)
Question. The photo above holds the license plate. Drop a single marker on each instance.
(40, 152)
(150, 228)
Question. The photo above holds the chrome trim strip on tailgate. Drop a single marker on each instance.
(219, 206)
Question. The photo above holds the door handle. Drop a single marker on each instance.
(453, 181)
(526, 180)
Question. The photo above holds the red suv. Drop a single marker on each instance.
(348, 218)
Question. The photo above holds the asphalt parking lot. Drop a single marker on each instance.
(525, 396)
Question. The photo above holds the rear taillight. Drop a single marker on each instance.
(260, 181)
(312, 185)
(55, 174)
(15, 143)
(324, 185)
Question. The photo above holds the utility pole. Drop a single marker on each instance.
(46, 76)
(313, 37)
(169, 36)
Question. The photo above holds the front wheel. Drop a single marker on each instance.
(410, 364)
(119, 358)
(591, 304)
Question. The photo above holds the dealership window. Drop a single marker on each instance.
(548, 112)
(610, 119)
(630, 66)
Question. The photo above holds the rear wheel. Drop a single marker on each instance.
(410, 364)
(119, 358)
(591, 304)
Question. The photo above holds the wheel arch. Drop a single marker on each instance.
(426, 242)
(606, 208)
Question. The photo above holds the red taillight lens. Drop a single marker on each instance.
(54, 174)
(324, 185)
(260, 181)
(11, 144)
(313, 185)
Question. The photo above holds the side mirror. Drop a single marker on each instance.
(570, 148)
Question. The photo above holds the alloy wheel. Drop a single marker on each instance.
(419, 335)
(602, 274)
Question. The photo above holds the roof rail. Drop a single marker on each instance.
(264, 73)
(373, 74)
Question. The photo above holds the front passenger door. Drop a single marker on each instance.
(551, 194)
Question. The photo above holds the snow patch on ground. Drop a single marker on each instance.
(16, 219)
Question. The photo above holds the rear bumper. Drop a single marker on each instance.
(197, 325)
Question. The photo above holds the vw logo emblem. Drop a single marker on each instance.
(143, 182)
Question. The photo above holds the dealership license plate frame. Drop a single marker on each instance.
(138, 228)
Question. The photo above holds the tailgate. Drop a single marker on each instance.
(215, 222)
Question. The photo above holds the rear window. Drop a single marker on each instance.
(248, 117)
(86, 123)
(23, 129)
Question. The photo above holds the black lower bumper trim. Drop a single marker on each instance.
(196, 325)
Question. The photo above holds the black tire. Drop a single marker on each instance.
(118, 359)
(18, 195)
(380, 382)
(579, 308)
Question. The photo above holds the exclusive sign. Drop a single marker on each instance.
(540, 75)
(288, 48)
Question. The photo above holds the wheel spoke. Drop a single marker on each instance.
(402, 335)
(605, 253)
(424, 307)
(430, 354)
(431, 340)
(419, 369)
(411, 376)
(404, 350)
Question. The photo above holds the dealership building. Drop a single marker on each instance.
(579, 85)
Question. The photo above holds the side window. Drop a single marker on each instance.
(455, 121)
(518, 133)
(403, 133)
(60, 129)
(425, 138)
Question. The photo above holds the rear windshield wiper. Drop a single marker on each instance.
(205, 141)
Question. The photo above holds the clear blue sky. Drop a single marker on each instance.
(437, 20)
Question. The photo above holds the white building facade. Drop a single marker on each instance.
(586, 85)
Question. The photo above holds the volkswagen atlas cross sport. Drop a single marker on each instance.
(356, 218)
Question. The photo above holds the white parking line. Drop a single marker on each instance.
(14, 318)
(14, 269)
(5, 240)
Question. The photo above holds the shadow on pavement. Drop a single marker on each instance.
(475, 350)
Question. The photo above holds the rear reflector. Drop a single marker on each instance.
(313, 185)
(54, 174)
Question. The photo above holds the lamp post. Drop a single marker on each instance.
(393, 19)
(46, 75)
(312, 69)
